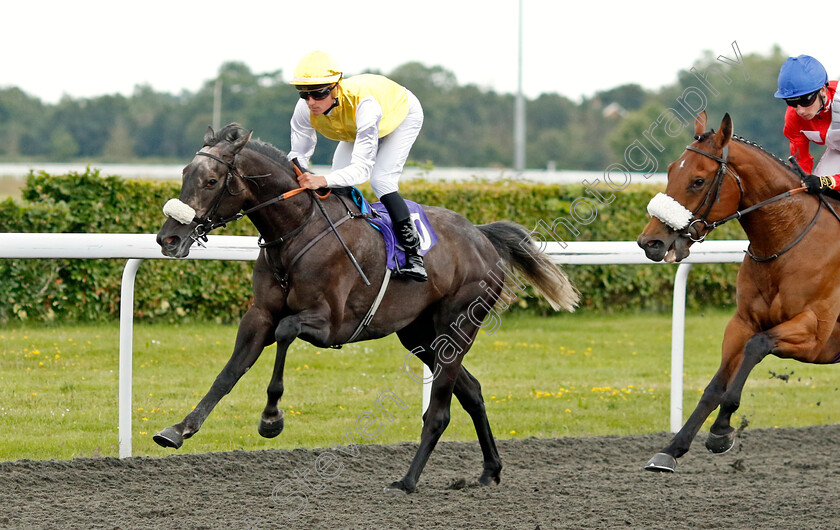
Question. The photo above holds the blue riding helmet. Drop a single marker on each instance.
(799, 76)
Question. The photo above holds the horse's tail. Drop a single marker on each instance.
(516, 248)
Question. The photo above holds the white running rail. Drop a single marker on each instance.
(137, 247)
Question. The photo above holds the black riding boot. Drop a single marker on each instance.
(409, 238)
(407, 235)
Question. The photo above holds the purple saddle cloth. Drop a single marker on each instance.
(395, 256)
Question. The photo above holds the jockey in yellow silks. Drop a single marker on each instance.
(375, 121)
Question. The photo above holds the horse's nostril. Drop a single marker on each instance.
(171, 240)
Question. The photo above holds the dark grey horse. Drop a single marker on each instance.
(306, 287)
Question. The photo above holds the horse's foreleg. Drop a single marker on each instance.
(736, 335)
(722, 435)
(314, 325)
(271, 421)
(254, 334)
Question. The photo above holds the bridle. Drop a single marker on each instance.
(712, 195)
(716, 188)
(206, 224)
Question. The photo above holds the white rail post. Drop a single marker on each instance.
(427, 389)
(126, 353)
(678, 345)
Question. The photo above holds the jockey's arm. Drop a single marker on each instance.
(365, 146)
(800, 148)
(303, 139)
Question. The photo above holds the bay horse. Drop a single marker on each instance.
(788, 296)
(306, 287)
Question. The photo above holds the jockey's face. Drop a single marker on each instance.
(810, 112)
(318, 107)
(319, 101)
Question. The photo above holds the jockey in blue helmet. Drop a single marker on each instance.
(813, 115)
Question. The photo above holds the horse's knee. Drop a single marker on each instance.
(730, 404)
(285, 329)
(758, 347)
(713, 393)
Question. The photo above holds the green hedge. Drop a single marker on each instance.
(175, 291)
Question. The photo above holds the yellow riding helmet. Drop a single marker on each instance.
(316, 68)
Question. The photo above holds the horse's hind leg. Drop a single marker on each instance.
(450, 377)
(468, 391)
(254, 334)
(435, 421)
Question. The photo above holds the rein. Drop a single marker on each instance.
(737, 215)
(299, 171)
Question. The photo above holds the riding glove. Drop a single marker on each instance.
(819, 184)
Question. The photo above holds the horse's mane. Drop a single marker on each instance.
(707, 134)
(234, 131)
(763, 150)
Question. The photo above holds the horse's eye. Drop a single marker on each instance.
(698, 183)
(211, 183)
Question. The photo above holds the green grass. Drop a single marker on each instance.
(568, 375)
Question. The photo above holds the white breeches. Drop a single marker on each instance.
(392, 153)
(829, 163)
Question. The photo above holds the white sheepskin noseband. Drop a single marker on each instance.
(669, 211)
(181, 212)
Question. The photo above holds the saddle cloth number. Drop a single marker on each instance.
(422, 231)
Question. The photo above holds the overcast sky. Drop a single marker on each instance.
(87, 48)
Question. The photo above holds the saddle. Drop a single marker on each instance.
(377, 216)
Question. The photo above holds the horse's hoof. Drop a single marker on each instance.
(489, 479)
(720, 443)
(398, 487)
(169, 437)
(270, 429)
(662, 462)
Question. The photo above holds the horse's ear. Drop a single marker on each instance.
(209, 136)
(241, 141)
(725, 132)
(700, 124)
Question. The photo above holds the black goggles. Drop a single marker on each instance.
(802, 101)
(317, 95)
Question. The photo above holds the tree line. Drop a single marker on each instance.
(465, 125)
